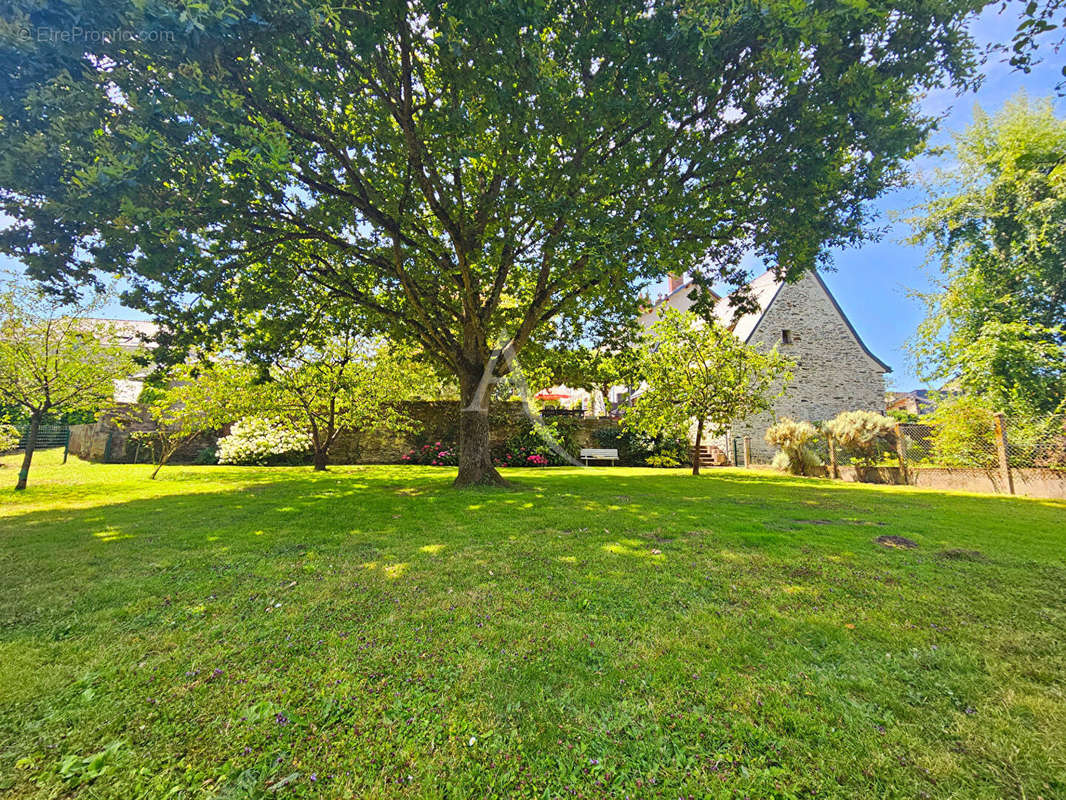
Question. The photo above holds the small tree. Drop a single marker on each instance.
(342, 382)
(194, 400)
(55, 358)
(861, 434)
(793, 438)
(699, 370)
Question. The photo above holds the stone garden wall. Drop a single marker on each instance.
(108, 439)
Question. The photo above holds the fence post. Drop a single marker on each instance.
(66, 445)
(747, 452)
(833, 473)
(1001, 448)
(901, 451)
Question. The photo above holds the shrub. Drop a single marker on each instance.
(207, 456)
(262, 442)
(662, 461)
(433, 454)
(964, 433)
(9, 438)
(863, 435)
(517, 451)
(635, 449)
(794, 439)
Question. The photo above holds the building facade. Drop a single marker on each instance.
(834, 371)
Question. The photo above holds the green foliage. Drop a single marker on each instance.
(964, 432)
(262, 442)
(636, 449)
(899, 415)
(530, 448)
(192, 399)
(336, 382)
(698, 370)
(463, 175)
(997, 225)
(1038, 19)
(662, 462)
(866, 436)
(9, 437)
(436, 454)
(77, 770)
(794, 439)
(55, 358)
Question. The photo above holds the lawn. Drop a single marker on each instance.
(241, 632)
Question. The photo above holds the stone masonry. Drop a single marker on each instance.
(834, 372)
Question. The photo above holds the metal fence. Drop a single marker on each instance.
(994, 442)
(47, 435)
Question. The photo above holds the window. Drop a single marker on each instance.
(786, 336)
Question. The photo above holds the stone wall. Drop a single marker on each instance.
(833, 372)
(108, 439)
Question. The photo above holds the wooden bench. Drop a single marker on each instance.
(598, 454)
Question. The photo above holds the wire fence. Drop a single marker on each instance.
(47, 435)
(987, 442)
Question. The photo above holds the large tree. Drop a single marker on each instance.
(461, 172)
(55, 358)
(996, 223)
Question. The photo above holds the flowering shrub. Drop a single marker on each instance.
(9, 438)
(257, 441)
(536, 460)
(433, 454)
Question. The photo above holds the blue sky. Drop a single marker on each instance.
(871, 283)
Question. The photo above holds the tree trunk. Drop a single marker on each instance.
(696, 449)
(27, 458)
(475, 456)
(321, 454)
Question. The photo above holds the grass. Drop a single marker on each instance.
(242, 633)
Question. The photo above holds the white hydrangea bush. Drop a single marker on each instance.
(257, 441)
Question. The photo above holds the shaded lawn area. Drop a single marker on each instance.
(242, 632)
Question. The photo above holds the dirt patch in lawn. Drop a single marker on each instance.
(899, 542)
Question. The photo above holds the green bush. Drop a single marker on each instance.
(662, 461)
(634, 449)
(794, 439)
(433, 454)
(964, 431)
(9, 438)
(529, 448)
(865, 436)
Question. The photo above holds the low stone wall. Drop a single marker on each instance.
(1028, 481)
(108, 439)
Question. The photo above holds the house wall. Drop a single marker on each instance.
(832, 374)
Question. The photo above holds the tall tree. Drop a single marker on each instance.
(996, 222)
(698, 371)
(55, 358)
(462, 172)
(1041, 22)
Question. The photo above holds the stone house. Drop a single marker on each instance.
(834, 370)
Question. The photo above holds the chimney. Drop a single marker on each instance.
(675, 281)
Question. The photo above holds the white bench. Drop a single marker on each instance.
(598, 454)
